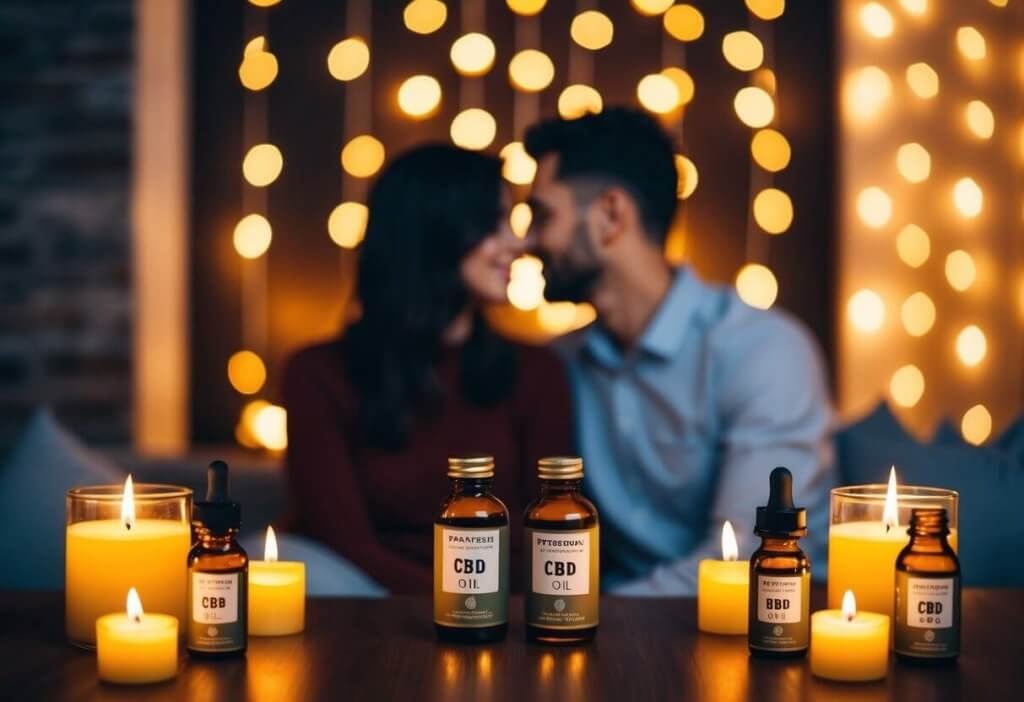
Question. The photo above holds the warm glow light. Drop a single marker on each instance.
(651, 7)
(259, 67)
(999, 3)
(976, 425)
(770, 150)
(913, 162)
(918, 314)
(686, 177)
(526, 285)
(425, 16)
(262, 165)
(867, 92)
(363, 156)
(967, 197)
(730, 549)
(684, 22)
(252, 236)
(913, 246)
(246, 372)
(556, 317)
(849, 606)
(767, 9)
(971, 346)
(960, 270)
(890, 513)
(520, 218)
(756, 285)
(133, 606)
(472, 54)
(915, 7)
(658, 93)
(980, 119)
(866, 311)
(271, 428)
(874, 207)
(764, 78)
(128, 503)
(683, 81)
(754, 107)
(419, 96)
(743, 50)
(526, 7)
(270, 545)
(245, 430)
(876, 20)
(773, 210)
(923, 80)
(592, 30)
(531, 70)
(347, 224)
(473, 129)
(971, 43)
(348, 59)
(518, 166)
(907, 386)
(578, 100)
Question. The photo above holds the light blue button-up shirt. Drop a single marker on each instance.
(680, 432)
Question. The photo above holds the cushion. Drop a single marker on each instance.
(990, 480)
(45, 463)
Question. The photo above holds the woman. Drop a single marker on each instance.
(373, 417)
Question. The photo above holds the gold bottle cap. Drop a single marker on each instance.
(473, 466)
(560, 468)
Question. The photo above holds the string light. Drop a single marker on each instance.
(246, 372)
(971, 43)
(473, 54)
(770, 150)
(907, 386)
(347, 224)
(252, 236)
(743, 50)
(866, 311)
(531, 70)
(362, 156)
(651, 7)
(683, 22)
(876, 20)
(773, 210)
(271, 427)
(526, 283)
(425, 16)
(592, 30)
(658, 93)
(915, 7)
(980, 119)
(684, 83)
(867, 92)
(519, 219)
(918, 314)
(767, 9)
(518, 167)
(578, 100)
(960, 270)
(348, 59)
(976, 425)
(874, 207)
(419, 96)
(971, 346)
(764, 78)
(262, 165)
(913, 162)
(264, 3)
(967, 197)
(754, 107)
(756, 285)
(686, 177)
(923, 80)
(526, 7)
(473, 129)
(913, 245)
(259, 67)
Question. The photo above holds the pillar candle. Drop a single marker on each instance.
(723, 590)
(849, 646)
(133, 647)
(277, 593)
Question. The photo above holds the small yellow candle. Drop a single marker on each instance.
(723, 589)
(135, 648)
(277, 593)
(848, 645)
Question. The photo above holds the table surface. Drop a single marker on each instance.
(385, 650)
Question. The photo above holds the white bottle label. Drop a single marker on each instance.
(470, 561)
(778, 599)
(215, 598)
(930, 602)
(561, 563)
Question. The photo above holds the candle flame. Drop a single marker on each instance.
(134, 606)
(270, 547)
(890, 515)
(128, 504)
(730, 551)
(849, 606)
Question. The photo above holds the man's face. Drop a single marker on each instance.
(562, 237)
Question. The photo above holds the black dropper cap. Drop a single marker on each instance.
(217, 512)
(779, 517)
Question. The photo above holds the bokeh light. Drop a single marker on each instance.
(473, 129)
(867, 91)
(271, 427)
(264, 3)
(518, 167)
(519, 218)
(874, 207)
(419, 96)
(967, 197)
(743, 50)
(686, 177)
(915, 7)
(923, 80)
(348, 59)
(245, 430)
(556, 317)
(764, 78)
(425, 16)
(756, 285)
(362, 156)
(472, 54)
(907, 386)
(980, 119)
(651, 7)
(971, 43)
(684, 22)
(683, 81)
(259, 67)
(770, 150)
(918, 314)
(526, 7)
(976, 425)
(876, 20)
(531, 70)
(657, 93)
(866, 311)
(578, 100)
(347, 224)
(246, 372)
(767, 9)
(592, 30)
(913, 162)
(971, 345)
(526, 284)
(913, 245)
(773, 210)
(262, 165)
(252, 236)
(754, 107)
(960, 270)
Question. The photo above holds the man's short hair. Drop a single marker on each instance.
(620, 146)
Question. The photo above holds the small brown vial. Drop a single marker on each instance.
(927, 630)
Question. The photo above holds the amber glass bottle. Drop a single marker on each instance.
(218, 570)
(561, 550)
(927, 592)
(471, 556)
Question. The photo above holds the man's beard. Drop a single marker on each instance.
(573, 278)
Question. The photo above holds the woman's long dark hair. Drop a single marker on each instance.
(428, 209)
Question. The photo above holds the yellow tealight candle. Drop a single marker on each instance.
(134, 648)
(277, 593)
(848, 645)
(723, 589)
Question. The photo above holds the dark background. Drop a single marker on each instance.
(304, 118)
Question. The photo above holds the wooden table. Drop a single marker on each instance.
(385, 650)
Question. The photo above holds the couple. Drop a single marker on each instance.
(679, 398)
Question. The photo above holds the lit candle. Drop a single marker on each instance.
(104, 557)
(723, 589)
(847, 645)
(277, 593)
(134, 648)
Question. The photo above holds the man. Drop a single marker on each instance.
(686, 398)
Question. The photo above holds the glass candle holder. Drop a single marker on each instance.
(116, 540)
(862, 548)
